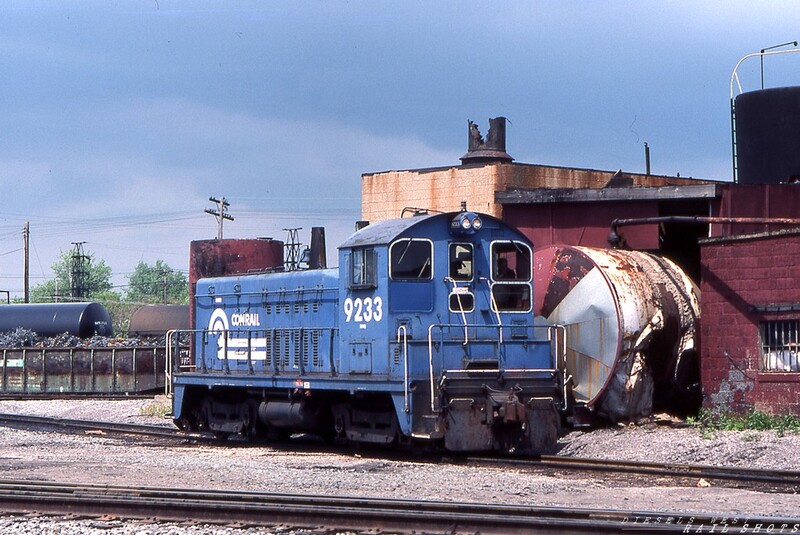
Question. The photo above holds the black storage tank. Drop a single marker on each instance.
(51, 319)
(768, 135)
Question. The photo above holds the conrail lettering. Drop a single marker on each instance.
(246, 319)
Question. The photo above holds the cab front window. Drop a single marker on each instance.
(460, 258)
(411, 259)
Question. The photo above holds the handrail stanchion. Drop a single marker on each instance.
(402, 329)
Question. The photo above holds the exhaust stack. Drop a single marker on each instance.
(492, 149)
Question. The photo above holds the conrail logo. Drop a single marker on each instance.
(219, 320)
(246, 320)
(237, 344)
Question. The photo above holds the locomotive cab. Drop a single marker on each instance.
(456, 292)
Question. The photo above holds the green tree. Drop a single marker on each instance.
(94, 275)
(157, 283)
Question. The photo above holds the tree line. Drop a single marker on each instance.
(84, 278)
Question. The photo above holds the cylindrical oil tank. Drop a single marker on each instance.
(83, 320)
(768, 135)
(156, 320)
(218, 258)
(632, 324)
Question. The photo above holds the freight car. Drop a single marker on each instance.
(156, 320)
(50, 319)
(423, 334)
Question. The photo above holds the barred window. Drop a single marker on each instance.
(780, 346)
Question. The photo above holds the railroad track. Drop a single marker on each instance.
(788, 480)
(773, 480)
(401, 516)
(105, 396)
(24, 420)
(348, 513)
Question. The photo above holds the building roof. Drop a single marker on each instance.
(783, 233)
(632, 193)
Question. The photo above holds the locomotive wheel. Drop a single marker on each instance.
(204, 415)
(251, 425)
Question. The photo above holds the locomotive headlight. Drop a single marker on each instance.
(465, 223)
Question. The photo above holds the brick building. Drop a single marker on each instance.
(751, 321)
(486, 173)
(750, 295)
(384, 195)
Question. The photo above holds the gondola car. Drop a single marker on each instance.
(424, 334)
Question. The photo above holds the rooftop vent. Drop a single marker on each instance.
(492, 149)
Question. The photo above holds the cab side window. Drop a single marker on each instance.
(363, 268)
(511, 276)
(411, 259)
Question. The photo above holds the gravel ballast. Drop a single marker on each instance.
(96, 458)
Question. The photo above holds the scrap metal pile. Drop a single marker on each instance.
(21, 337)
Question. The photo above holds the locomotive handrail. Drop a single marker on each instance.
(460, 308)
(430, 366)
(268, 293)
(244, 346)
(402, 329)
(560, 348)
(561, 358)
(495, 309)
(168, 363)
(443, 326)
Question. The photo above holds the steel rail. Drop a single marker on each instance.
(101, 396)
(784, 478)
(399, 516)
(110, 427)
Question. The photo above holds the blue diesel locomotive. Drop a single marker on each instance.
(423, 334)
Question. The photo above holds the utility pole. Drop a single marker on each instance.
(26, 236)
(221, 213)
(164, 273)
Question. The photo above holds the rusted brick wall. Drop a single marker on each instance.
(384, 195)
(737, 275)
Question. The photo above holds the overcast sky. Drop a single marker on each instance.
(119, 119)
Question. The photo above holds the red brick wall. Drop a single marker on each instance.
(587, 224)
(738, 274)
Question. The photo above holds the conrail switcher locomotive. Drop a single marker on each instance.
(423, 334)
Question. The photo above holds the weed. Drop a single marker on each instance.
(156, 408)
(752, 420)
